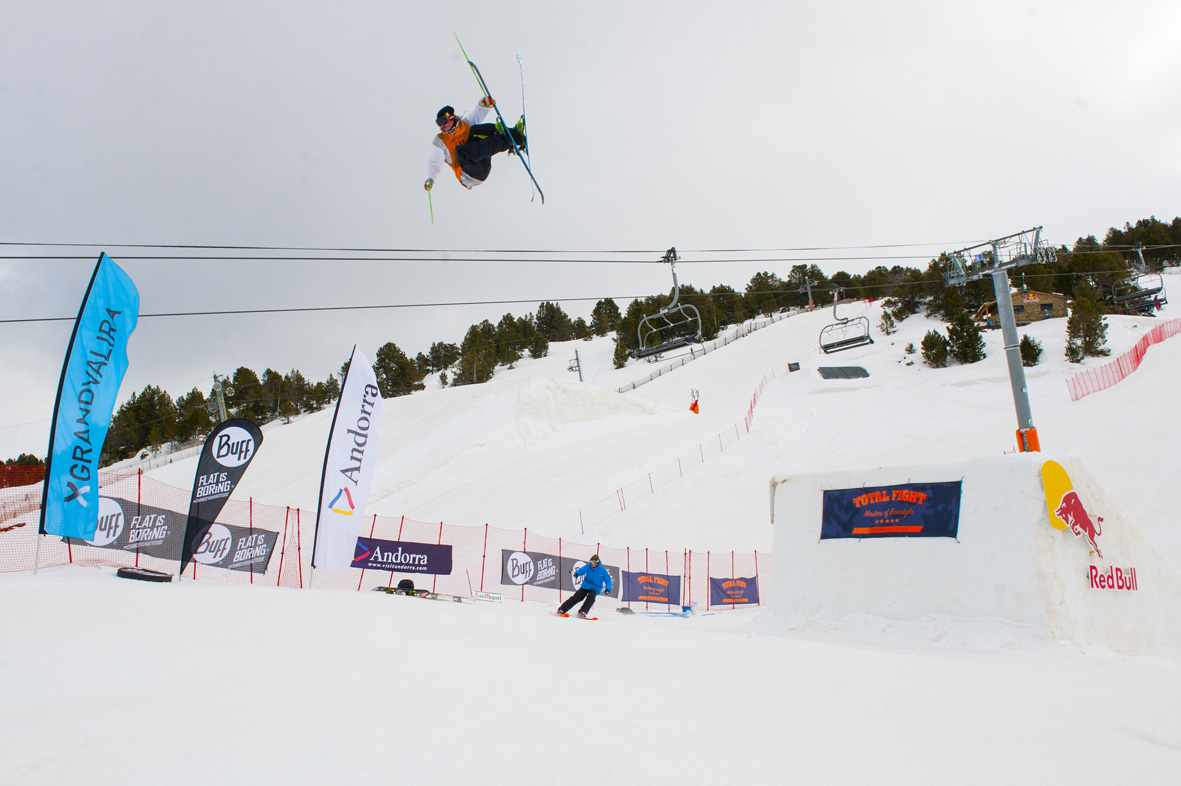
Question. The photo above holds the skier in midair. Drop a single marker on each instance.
(595, 579)
(467, 144)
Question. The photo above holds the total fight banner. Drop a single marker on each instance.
(536, 569)
(732, 592)
(651, 588)
(125, 525)
(95, 363)
(910, 510)
(348, 467)
(402, 556)
(227, 453)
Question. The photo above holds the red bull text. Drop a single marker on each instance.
(1113, 579)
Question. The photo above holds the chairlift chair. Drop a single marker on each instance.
(1141, 292)
(845, 333)
(674, 326)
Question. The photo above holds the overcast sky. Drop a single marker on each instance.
(757, 125)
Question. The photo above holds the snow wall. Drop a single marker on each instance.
(1006, 562)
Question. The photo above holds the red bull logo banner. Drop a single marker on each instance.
(651, 588)
(734, 592)
(910, 510)
(1067, 512)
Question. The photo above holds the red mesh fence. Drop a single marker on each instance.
(1105, 376)
(706, 580)
(478, 553)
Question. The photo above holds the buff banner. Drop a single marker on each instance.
(130, 526)
(96, 361)
(348, 467)
(911, 510)
(227, 453)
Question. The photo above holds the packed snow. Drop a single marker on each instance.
(108, 681)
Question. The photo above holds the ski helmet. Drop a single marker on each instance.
(594, 558)
(445, 114)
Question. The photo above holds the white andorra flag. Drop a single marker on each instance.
(348, 466)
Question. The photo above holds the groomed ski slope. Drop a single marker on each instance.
(108, 681)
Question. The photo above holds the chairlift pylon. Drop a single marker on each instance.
(674, 326)
(845, 333)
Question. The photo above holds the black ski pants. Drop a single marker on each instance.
(586, 595)
(475, 157)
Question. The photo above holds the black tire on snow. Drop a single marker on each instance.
(143, 574)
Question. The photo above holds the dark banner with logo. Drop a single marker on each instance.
(227, 453)
(911, 510)
(124, 525)
(651, 588)
(402, 556)
(130, 526)
(536, 569)
(236, 548)
(733, 592)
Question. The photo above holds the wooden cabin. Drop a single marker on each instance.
(1028, 306)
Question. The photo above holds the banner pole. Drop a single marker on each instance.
(36, 552)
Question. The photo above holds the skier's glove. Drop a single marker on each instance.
(427, 185)
(487, 102)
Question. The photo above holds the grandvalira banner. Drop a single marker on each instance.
(96, 361)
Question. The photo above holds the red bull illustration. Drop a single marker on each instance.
(1066, 509)
(1071, 510)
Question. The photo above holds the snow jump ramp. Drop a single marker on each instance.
(974, 540)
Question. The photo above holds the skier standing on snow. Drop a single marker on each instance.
(595, 579)
(467, 145)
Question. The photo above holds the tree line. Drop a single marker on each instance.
(1088, 271)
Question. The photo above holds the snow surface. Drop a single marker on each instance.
(106, 681)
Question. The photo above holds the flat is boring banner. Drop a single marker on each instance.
(96, 361)
(911, 510)
(125, 525)
(227, 453)
(537, 569)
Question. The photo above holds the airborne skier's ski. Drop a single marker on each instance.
(500, 117)
(524, 122)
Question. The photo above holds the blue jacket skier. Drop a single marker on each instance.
(595, 580)
(467, 144)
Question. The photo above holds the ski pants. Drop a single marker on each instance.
(475, 157)
(586, 595)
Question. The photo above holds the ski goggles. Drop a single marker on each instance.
(444, 120)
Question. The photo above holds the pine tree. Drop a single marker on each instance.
(967, 343)
(935, 348)
(1086, 329)
(1031, 351)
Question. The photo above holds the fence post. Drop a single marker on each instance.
(283, 547)
(435, 580)
(299, 547)
(372, 529)
(484, 558)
